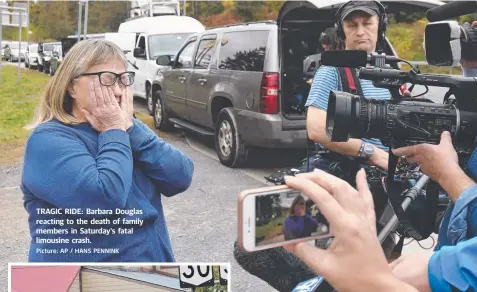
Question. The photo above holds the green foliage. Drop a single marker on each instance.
(18, 101)
(217, 287)
(408, 40)
(53, 20)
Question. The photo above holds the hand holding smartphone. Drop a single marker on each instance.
(275, 216)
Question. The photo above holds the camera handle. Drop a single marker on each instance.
(410, 195)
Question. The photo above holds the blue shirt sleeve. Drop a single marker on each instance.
(454, 266)
(170, 170)
(326, 79)
(59, 169)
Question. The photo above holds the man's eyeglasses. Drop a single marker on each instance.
(107, 78)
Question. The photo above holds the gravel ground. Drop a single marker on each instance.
(202, 221)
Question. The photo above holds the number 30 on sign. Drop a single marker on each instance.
(196, 276)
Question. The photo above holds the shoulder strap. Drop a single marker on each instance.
(350, 81)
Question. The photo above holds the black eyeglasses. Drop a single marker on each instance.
(107, 78)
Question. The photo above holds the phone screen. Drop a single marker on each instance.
(287, 215)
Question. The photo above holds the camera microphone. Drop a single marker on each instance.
(451, 10)
(354, 58)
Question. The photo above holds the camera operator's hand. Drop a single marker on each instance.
(440, 162)
(355, 260)
(413, 269)
(469, 64)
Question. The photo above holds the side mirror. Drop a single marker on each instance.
(138, 53)
(164, 60)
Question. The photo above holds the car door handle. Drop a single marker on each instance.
(202, 81)
(182, 79)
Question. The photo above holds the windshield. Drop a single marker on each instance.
(34, 48)
(166, 44)
(14, 46)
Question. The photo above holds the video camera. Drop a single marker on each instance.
(405, 121)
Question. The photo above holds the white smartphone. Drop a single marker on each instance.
(275, 216)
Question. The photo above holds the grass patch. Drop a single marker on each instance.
(17, 106)
(272, 229)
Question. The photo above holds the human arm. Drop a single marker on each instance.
(60, 170)
(170, 170)
(312, 221)
(454, 266)
(326, 80)
(353, 223)
(440, 162)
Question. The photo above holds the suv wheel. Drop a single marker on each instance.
(161, 121)
(229, 146)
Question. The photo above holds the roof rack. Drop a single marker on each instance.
(244, 23)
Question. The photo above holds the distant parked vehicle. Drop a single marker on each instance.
(15, 51)
(31, 56)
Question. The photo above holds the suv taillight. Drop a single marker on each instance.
(403, 88)
(269, 93)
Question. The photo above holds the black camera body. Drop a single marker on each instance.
(406, 121)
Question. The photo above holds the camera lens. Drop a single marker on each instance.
(349, 115)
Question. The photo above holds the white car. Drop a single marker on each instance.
(31, 56)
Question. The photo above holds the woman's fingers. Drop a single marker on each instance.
(363, 189)
(323, 200)
(106, 96)
(98, 93)
(112, 97)
(340, 189)
(92, 95)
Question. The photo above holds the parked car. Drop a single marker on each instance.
(31, 56)
(158, 35)
(15, 51)
(240, 83)
(45, 52)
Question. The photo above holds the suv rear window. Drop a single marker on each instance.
(243, 50)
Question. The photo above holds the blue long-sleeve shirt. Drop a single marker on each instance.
(454, 264)
(78, 167)
(299, 226)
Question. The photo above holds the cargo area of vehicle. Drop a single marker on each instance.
(299, 33)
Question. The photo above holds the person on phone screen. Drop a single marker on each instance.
(299, 224)
(88, 154)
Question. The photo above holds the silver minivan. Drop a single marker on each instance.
(244, 84)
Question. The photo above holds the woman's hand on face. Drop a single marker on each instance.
(355, 260)
(127, 107)
(105, 111)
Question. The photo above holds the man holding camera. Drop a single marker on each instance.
(452, 267)
(362, 25)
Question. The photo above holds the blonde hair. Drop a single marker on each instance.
(56, 102)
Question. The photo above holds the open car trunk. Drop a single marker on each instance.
(300, 24)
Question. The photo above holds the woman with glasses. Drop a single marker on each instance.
(299, 224)
(93, 175)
